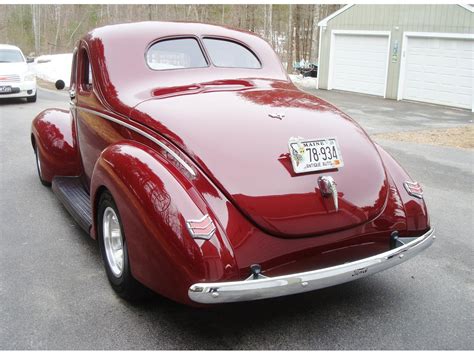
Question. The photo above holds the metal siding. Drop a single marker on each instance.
(450, 27)
(443, 24)
(438, 17)
(409, 18)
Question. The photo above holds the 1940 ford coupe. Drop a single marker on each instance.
(208, 177)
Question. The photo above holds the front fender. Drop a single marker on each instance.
(415, 209)
(155, 200)
(53, 133)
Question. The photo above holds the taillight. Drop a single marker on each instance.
(203, 228)
(413, 188)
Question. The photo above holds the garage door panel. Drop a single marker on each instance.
(464, 82)
(359, 63)
(464, 63)
(439, 70)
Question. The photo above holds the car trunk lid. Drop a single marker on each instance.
(240, 140)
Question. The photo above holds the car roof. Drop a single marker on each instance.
(169, 28)
(9, 46)
(118, 59)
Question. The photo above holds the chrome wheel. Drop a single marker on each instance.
(113, 241)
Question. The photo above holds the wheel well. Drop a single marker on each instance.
(33, 141)
(95, 205)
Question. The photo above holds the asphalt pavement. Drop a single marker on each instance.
(54, 293)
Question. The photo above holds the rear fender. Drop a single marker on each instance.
(155, 200)
(53, 133)
(417, 219)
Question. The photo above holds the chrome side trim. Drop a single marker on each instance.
(144, 134)
(247, 290)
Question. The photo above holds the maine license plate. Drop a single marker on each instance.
(314, 154)
(5, 89)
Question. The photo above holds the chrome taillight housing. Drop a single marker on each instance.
(203, 228)
(413, 188)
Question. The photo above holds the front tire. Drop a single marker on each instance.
(38, 168)
(32, 98)
(113, 248)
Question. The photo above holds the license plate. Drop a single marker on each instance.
(314, 154)
(5, 89)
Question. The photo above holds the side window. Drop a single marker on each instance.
(230, 54)
(86, 73)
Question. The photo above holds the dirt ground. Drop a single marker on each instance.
(459, 137)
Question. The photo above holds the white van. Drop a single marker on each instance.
(16, 79)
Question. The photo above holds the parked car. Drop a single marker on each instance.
(16, 79)
(307, 69)
(208, 177)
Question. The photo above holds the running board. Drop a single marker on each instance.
(75, 198)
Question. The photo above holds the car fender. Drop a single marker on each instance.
(415, 208)
(155, 200)
(53, 133)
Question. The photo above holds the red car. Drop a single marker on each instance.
(208, 177)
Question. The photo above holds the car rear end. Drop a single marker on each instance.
(272, 266)
(351, 217)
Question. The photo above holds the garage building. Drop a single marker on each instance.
(404, 52)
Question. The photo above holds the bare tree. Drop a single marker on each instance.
(289, 49)
(36, 33)
(57, 13)
(54, 28)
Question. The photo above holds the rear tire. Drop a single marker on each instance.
(32, 98)
(113, 248)
(38, 168)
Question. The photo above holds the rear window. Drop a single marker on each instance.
(229, 54)
(10, 56)
(176, 53)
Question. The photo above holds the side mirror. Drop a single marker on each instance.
(30, 59)
(60, 84)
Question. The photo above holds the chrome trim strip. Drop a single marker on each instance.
(139, 131)
(237, 291)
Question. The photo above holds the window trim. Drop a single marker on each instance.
(73, 78)
(170, 38)
(235, 41)
(85, 87)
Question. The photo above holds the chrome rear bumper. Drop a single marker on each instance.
(237, 291)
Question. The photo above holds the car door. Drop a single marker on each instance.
(94, 133)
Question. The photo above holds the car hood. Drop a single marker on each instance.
(234, 139)
(13, 68)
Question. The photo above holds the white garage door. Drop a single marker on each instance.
(439, 70)
(359, 63)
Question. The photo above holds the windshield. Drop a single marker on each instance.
(10, 56)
